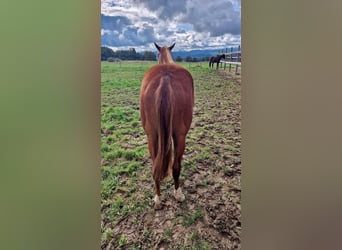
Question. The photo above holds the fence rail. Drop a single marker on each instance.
(232, 58)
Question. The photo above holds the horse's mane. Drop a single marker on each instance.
(164, 55)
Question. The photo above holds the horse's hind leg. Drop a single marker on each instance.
(153, 151)
(179, 143)
(157, 199)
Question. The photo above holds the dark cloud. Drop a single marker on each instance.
(164, 8)
(215, 17)
(181, 31)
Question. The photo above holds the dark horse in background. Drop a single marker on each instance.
(215, 59)
(166, 105)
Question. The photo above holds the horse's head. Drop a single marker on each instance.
(223, 56)
(164, 54)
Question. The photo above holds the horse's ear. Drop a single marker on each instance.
(171, 47)
(157, 46)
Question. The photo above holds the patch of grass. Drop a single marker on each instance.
(148, 195)
(118, 133)
(204, 154)
(168, 233)
(193, 236)
(137, 247)
(197, 242)
(147, 234)
(226, 170)
(117, 205)
(203, 183)
(188, 165)
(122, 240)
(125, 167)
(105, 147)
(121, 207)
(231, 148)
(128, 154)
(201, 245)
(190, 219)
(111, 178)
(118, 115)
(109, 184)
(107, 235)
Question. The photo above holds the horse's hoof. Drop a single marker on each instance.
(158, 206)
(157, 202)
(179, 196)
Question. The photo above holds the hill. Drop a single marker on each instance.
(200, 53)
(195, 53)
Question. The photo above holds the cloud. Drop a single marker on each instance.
(191, 23)
(146, 34)
(164, 8)
(114, 22)
(216, 17)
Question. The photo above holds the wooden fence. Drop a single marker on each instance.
(232, 58)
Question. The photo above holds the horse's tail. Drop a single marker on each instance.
(165, 108)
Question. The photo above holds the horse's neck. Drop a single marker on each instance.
(166, 58)
(165, 61)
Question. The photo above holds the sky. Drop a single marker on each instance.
(192, 24)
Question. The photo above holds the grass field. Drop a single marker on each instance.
(209, 218)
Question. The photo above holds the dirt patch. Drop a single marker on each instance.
(210, 217)
(231, 75)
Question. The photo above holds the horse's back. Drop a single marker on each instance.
(180, 80)
(175, 72)
(175, 79)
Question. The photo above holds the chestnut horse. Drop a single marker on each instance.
(215, 59)
(166, 105)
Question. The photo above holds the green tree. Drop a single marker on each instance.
(122, 54)
(149, 56)
(133, 55)
(106, 53)
(179, 59)
(188, 59)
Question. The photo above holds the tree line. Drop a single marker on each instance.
(107, 54)
(191, 59)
